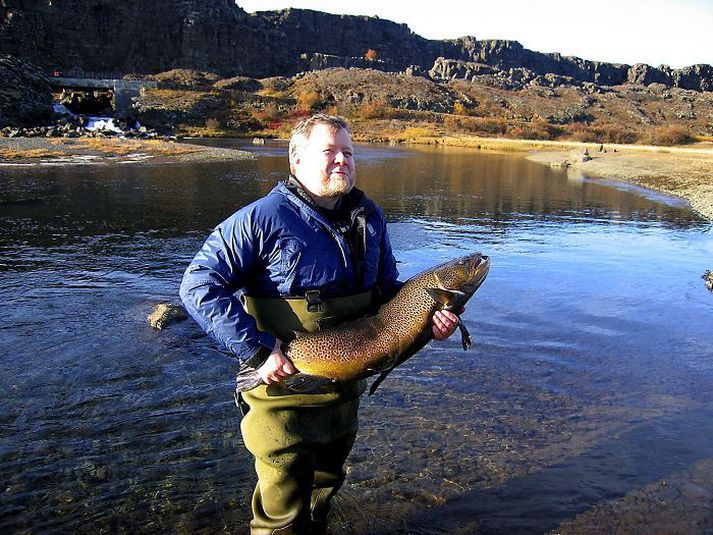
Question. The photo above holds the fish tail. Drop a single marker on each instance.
(466, 340)
(247, 379)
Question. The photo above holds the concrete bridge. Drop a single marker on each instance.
(123, 90)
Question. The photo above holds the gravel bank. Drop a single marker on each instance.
(683, 172)
(89, 151)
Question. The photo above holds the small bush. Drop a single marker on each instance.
(460, 109)
(269, 112)
(667, 136)
(371, 54)
(376, 109)
(606, 133)
(476, 125)
(211, 123)
(308, 100)
(414, 132)
(538, 129)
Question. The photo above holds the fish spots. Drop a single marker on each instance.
(401, 327)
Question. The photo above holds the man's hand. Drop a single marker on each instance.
(445, 324)
(276, 367)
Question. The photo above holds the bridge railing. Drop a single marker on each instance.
(82, 73)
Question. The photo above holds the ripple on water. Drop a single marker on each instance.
(589, 378)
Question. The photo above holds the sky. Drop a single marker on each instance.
(677, 33)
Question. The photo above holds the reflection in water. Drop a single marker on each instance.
(588, 387)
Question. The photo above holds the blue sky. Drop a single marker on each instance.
(671, 32)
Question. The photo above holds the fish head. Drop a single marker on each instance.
(457, 280)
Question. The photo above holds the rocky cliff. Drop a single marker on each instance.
(25, 95)
(111, 38)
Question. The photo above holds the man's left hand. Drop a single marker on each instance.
(445, 324)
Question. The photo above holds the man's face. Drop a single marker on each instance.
(325, 164)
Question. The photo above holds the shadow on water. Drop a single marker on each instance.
(539, 502)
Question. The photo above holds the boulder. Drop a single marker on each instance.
(708, 279)
(578, 156)
(165, 314)
(452, 69)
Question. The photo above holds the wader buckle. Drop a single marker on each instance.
(314, 301)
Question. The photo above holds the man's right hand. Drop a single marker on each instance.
(276, 367)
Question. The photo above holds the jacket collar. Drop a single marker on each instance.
(353, 203)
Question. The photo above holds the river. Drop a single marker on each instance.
(585, 405)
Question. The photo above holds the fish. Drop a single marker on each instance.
(376, 344)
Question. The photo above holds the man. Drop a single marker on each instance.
(313, 252)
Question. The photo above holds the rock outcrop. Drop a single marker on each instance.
(117, 38)
(25, 96)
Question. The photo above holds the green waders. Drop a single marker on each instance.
(300, 441)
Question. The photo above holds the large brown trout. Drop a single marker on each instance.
(377, 344)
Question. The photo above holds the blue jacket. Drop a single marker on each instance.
(280, 245)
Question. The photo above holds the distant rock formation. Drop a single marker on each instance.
(25, 96)
(118, 38)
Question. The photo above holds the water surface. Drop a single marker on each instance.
(587, 394)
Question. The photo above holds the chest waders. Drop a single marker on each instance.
(300, 441)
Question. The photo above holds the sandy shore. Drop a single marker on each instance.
(87, 151)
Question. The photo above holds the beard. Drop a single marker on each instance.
(337, 186)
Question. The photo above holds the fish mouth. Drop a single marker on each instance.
(474, 268)
(477, 272)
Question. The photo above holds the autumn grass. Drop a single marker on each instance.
(18, 154)
(123, 147)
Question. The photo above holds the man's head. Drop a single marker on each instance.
(321, 158)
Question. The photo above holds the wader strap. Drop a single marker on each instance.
(314, 301)
(284, 316)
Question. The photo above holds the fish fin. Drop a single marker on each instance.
(440, 296)
(421, 341)
(247, 379)
(378, 380)
(465, 338)
(302, 383)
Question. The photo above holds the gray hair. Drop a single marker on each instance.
(303, 130)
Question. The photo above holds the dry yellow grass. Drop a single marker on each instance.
(122, 147)
(18, 154)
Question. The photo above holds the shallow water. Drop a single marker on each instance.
(588, 389)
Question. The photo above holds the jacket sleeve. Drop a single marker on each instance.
(388, 273)
(209, 286)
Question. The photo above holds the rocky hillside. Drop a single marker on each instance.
(222, 71)
(398, 106)
(118, 38)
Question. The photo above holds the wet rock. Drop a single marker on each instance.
(708, 279)
(165, 314)
(75, 126)
(577, 156)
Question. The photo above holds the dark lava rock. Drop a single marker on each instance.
(25, 96)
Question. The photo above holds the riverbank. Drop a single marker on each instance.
(683, 172)
(87, 151)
